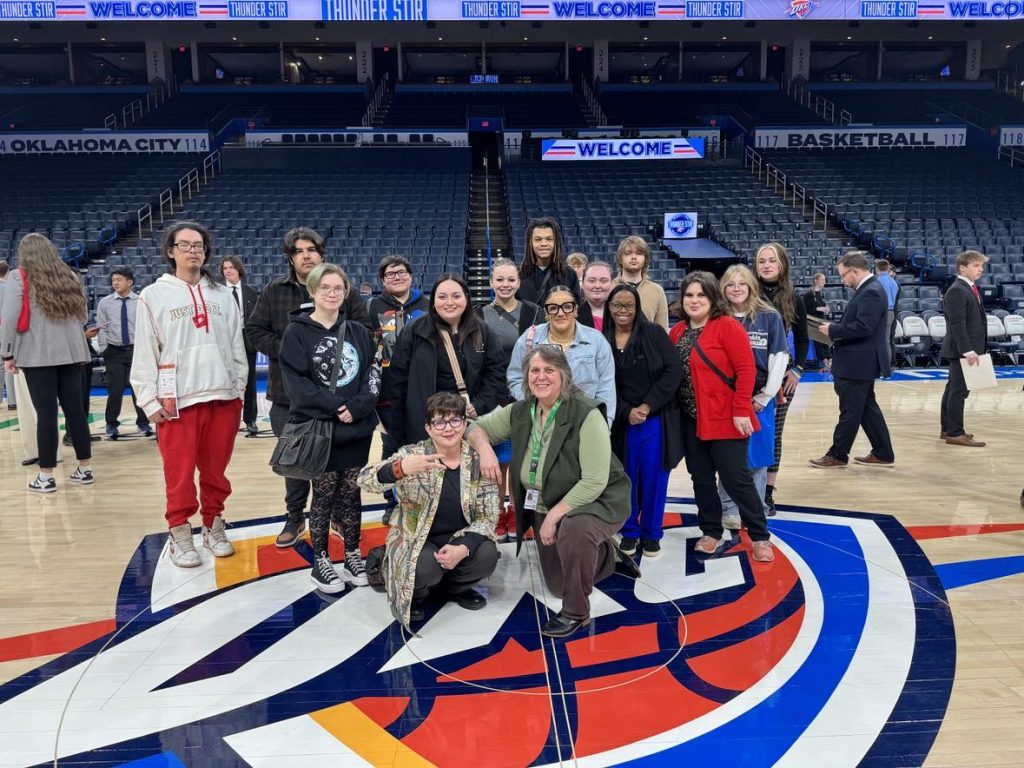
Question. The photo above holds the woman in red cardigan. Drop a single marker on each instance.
(717, 412)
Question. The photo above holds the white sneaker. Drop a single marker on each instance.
(731, 522)
(82, 476)
(43, 486)
(182, 549)
(354, 571)
(215, 539)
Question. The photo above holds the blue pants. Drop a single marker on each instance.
(649, 479)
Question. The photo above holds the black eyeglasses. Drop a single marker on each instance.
(194, 247)
(454, 422)
(566, 309)
(616, 307)
(395, 274)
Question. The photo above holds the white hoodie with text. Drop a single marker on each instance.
(196, 328)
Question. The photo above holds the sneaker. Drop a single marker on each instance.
(651, 548)
(763, 551)
(708, 545)
(294, 527)
(510, 521)
(111, 432)
(147, 432)
(43, 486)
(501, 527)
(769, 501)
(731, 522)
(354, 571)
(325, 576)
(628, 545)
(215, 539)
(181, 548)
(81, 476)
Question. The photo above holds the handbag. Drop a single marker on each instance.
(23, 317)
(375, 568)
(304, 448)
(460, 383)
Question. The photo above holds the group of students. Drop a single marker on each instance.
(567, 394)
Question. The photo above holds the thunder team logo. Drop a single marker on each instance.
(799, 9)
(241, 663)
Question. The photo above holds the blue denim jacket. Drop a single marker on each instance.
(590, 358)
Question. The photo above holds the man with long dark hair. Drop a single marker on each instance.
(543, 265)
(188, 372)
(304, 248)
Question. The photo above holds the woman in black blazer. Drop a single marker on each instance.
(420, 365)
(645, 433)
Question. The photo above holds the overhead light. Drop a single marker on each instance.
(234, 39)
(645, 39)
(440, 39)
(931, 36)
(849, 37)
(16, 40)
(103, 40)
(526, 38)
(319, 58)
(724, 37)
(317, 39)
(350, 58)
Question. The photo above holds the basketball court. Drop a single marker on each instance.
(888, 632)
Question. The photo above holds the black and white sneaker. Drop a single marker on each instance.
(354, 571)
(43, 486)
(325, 576)
(82, 476)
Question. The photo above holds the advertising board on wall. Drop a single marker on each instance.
(100, 142)
(850, 137)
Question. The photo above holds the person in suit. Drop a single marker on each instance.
(860, 354)
(233, 271)
(966, 333)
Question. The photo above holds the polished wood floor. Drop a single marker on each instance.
(62, 556)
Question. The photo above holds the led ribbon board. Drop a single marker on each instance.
(569, 150)
(478, 10)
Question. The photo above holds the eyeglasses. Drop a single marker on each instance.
(328, 291)
(396, 274)
(566, 309)
(616, 307)
(454, 422)
(194, 247)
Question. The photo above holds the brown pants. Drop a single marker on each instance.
(582, 555)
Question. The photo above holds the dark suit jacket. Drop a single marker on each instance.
(861, 338)
(966, 324)
(249, 297)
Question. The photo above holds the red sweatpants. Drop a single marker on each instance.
(203, 438)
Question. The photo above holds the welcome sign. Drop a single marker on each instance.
(568, 150)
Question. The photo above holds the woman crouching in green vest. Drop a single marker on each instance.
(566, 484)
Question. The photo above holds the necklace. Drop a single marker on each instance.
(561, 342)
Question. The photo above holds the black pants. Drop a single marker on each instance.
(858, 408)
(389, 447)
(296, 492)
(336, 498)
(118, 361)
(474, 568)
(48, 386)
(727, 459)
(249, 409)
(954, 396)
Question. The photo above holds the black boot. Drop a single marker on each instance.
(769, 500)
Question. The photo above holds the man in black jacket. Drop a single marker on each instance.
(233, 271)
(966, 334)
(860, 354)
(544, 266)
(304, 248)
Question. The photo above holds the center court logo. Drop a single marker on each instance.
(700, 654)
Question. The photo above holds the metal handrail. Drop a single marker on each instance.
(145, 214)
(166, 201)
(820, 206)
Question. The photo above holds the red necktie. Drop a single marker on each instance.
(977, 293)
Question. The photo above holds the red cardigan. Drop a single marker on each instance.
(727, 345)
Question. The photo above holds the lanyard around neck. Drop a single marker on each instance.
(537, 439)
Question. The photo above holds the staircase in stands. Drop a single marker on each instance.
(488, 236)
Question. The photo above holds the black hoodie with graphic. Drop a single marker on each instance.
(307, 357)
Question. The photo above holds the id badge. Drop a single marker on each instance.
(532, 499)
(167, 388)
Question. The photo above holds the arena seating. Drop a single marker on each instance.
(934, 203)
(925, 105)
(439, 107)
(639, 105)
(322, 107)
(364, 214)
(71, 198)
(24, 110)
(599, 204)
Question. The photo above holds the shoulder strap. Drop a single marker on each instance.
(456, 370)
(530, 333)
(337, 354)
(730, 382)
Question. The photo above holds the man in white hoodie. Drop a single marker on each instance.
(189, 373)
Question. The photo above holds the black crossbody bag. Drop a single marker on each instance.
(730, 381)
(303, 449)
